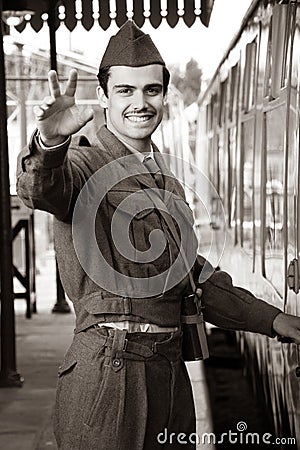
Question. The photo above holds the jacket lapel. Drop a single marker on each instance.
(134, 166)
(169, 178)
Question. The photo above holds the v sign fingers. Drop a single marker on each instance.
(72, 83)
(53, 84)
(58, 116)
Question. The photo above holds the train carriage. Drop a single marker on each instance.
(248, 146)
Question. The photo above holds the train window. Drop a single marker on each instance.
(232, 181)
(267, 83)
(286, 47)
(273, 199)
(292, 178)
(246, 201)
(257, 200)
(223, 169)
(211, 111)
(249, 76)
(214, 161)
(214, 110)
(233, 90)
(279, 36)
(209, 117)
(208, 125)
(296, 51)
(222, 110)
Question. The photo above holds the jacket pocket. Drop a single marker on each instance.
(136, 203)
(67, 366)
(96, 405)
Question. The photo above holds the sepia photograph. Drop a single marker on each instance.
(149, 224)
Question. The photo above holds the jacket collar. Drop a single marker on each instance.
(135, 167)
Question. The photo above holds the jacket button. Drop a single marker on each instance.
(116, 362)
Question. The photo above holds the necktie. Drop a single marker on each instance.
(155, 171)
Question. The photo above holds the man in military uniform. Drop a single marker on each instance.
(123, 380)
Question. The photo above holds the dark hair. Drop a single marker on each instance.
(104, 73)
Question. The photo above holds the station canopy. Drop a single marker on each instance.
(103, 12)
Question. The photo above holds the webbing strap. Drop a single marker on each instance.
(130, 306)
(195, 318)
(191, 319)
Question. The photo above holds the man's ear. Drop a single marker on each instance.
(165, 99)
(101, 97)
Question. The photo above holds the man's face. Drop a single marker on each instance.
(134, 106)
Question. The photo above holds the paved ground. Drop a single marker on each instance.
(25, 413)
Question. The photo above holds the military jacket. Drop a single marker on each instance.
(105, 284)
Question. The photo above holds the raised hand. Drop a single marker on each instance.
(58, 116)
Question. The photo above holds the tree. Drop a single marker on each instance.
(188, 82)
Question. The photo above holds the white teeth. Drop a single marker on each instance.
(138, 118)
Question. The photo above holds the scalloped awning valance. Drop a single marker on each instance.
(102, 12)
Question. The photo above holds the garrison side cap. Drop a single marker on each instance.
(131, 47)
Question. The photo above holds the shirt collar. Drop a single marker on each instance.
(141, 156)
(105, 135)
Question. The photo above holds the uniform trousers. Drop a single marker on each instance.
(124, 391)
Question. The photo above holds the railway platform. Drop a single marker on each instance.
(25, 413)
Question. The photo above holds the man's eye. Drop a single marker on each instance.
(153, 91)
(125, 91)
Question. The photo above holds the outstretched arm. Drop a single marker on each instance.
(235, 308)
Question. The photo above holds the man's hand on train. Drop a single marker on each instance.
(287, 327)
(58, 116)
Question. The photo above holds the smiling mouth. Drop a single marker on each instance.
(138, 118)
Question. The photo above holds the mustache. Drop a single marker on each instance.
(140, 111)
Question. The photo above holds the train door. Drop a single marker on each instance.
(291, 73)
(281, 203)
(281, 214)
(291, 299)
